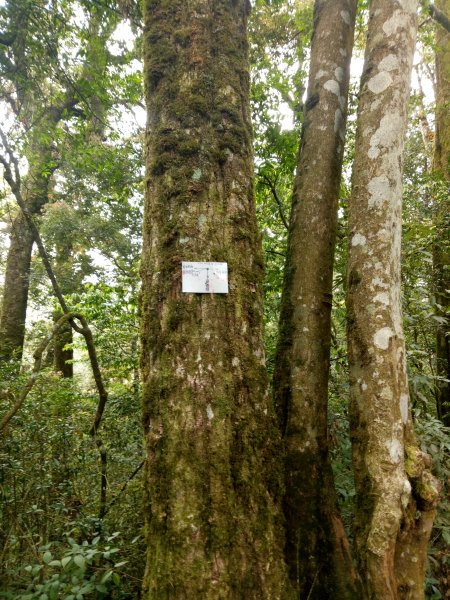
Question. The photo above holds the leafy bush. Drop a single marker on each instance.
(71, 571)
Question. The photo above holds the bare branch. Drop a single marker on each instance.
(270, 251)
(273, 189)
(14, 184)
(124, 486)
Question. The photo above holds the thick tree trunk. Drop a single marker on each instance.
(317, 550)
(213, 529)
(441, 253)
(396, 494)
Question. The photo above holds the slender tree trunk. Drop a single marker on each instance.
(441, 251)
(213, 529)
(396, 493)
(63, 355)
(15, 294)
(317, 550)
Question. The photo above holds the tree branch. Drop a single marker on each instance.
(439, 17)
(14, 183)
(270, 251)
(272, 188)
(124, 486)
(436, 14)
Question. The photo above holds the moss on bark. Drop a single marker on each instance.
(213, 527)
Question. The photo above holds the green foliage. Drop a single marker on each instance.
(435, 440)
(112, 308)
(50, 494)
(72, 571)
(420, 234)
(91, 228)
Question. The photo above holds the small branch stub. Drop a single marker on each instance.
(204, 277)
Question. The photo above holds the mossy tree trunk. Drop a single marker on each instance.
(317, 551)
(441, 251)
(396, 493)
(213, 470)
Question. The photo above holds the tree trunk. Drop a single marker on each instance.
(213, 528)
(317, 550)
(441, 250)
(63, 356)
(39, 156)
(18, 262)
(15, 291)
(396, 493)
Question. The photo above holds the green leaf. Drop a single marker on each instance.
(65, 561)
(47, 557)
(446, 536)
(106, 577)
(55, 563)
(120, 564)
(80, 561)
(101, 588)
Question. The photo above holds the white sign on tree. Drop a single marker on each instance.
(204, 277)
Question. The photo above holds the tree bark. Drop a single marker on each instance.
(317, 550)
(15, 291)
(63, 355)
(396, 493)
(213, 528)
(441, 250)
